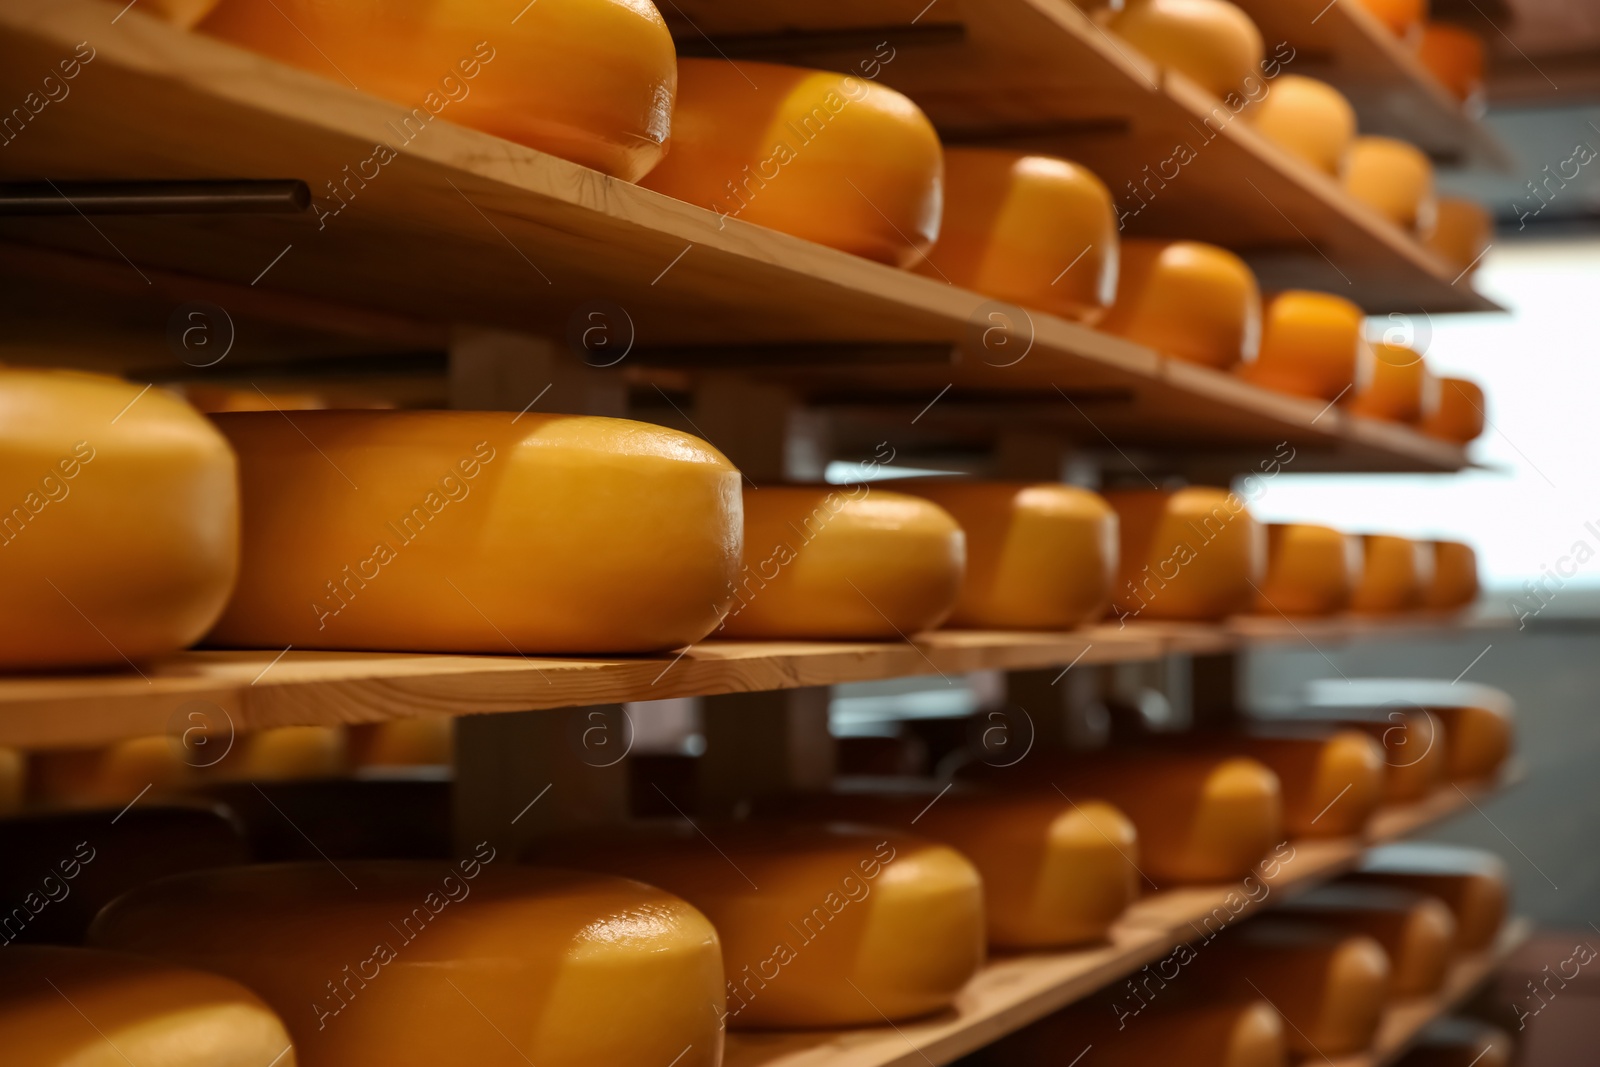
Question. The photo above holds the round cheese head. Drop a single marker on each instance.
(1193, 553)
(1310, 571)
(423, 741)
(1471, 882)
(1191, 301)
(1399, 389)
(1455, 56)
(1331, 783)
(1312, 345)
(1400, 17)
(1416, 930)
(1460, 417)
(1461, 232)
(833, 158)
(1393, 178)
(1138, 1029)
(586, 80)
(1455, 577)
(1307, 118)
(1212, 42)
(1395, 573)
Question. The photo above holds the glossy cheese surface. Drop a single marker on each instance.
(110, 776)
(1188, 300)
(1477, 740)
(1393, 178)
(459, 531)
(1461, 232)
(76, 1007)
(844, 563)
(1035, 230)
(1455, 576)
(833, 158)
(1307, 118)
(805, 912)
(1311, 570)
(1195, 553)
(1196, 1031)
(1413, 743)
(1471, 882)
(1416, 931)
(1311, 345)
(119, 521)
(587, 80)
(1213, 42)
(283, 753)
(1399, 387)
(1395, 572)
(1459, 418)
(1400, 17)
(1039, 557)
(1455, 56)
(1331, 784)
(183, 13)
(417, 742)
(418, 964)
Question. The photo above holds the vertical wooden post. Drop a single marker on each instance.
(762, 428)
(495, 370)
(760, 743)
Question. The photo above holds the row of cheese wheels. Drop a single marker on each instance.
(134, 527)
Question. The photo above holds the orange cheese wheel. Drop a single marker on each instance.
(1195, 553)
(426, 740)
(847, 563)
(1212, 42)
(1478, 738)
(1310, 570)
(1455, 577)
(1138, 1029)
(1471, 882)
(283, 753)
(1395, 573)
(1039, 557)
(1400, 17)
(1331, 784)
(78, 1007)
(1416, 931)
(1461, 1043)
(1413, 743)
(819, 925)
(1312, 344)
(1459, 417)
(119, 521)
(1455, 56)
(1034, 230)
(1188, 300)
(1400, 388)
(1054, 872)
(1393, 178)
(109, 776)
(465, 531)
(397, 964)
(1307, 118)
(833, 158)
(586, 80)
(1461, 233)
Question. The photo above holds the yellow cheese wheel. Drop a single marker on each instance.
(1478, 739)
(1311, 345)
(1211, 41)
(1310, 570)
(1413, 743)
(1330, 987)
(1034, 230)
(1471, 882)
(13, 780)
(426, 740)
(1416, 931)
(1054, 872)
(283, 753)
(1455, 576)
(1459, 418)
(1455, 56)
(461, 531)
(833, 158)
(1331, 784)
(1307, 118)
(77, 1007)
(1169, 1027)
(1191, 301)
(1395, 572)
(109, 776)
(1461, 232)
(407, 964)
(1461, 1043)
(120, 521)
(1399, 389)
(1039, 557)
(1400, 17)
(1194, 553)
(1393, 178)
(586, 80)
(820, 925)
(847, 563)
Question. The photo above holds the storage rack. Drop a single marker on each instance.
(484, 250)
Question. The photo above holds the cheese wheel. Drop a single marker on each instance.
(1328, 986)
(1310, 570)
(1212, 42)
(1400, 17)
(586, 80)
(1416, 931)
(462, 531)
(1400, 389)
(1471, 882)
(851, 563)
(1195, 553)
(1455, 576)
(283, 753)
(1054, 872)
(1455, 56)
(1307, 118)
(833, 158)
(1311, 345)
(1461, 233)
(1413, 743)
(1197, 1031)
(109, 776)
(1395, 572)
(1478, 739)
(423, 741)
(1393, 178)
(1039, 556)
(1459, 418)
(77, 1007)
(1191, 301)
(120, 524)
(1034, 230)
(801, 945)
(13, 780)
(182, 13)
(414, 963)
(1331, 784)
(1461, 1043)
